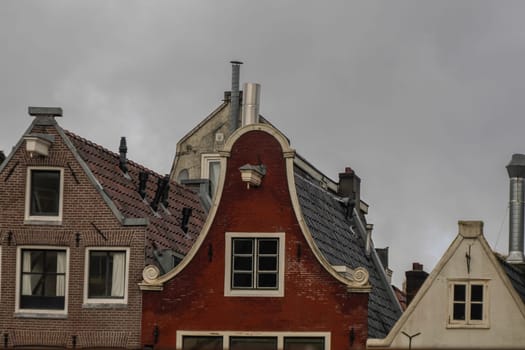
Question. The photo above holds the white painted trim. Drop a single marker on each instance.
(87, 300)
(18, 283)
(206, 159)
(227, 334)
(228, 291)
(51, 219)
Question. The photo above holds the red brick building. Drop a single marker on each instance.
(282, 262)
(78, 223)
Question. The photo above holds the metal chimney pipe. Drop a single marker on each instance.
(250, 103)
(516, 171)
(234, 104)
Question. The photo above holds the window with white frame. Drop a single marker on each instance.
(44, 193)
(254, 264)
(468, 303)
(211, 169)
(253, 341)
(106, 275)
(42, 283)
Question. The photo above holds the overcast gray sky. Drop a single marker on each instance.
(424, 100)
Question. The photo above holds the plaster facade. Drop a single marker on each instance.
(469, 259)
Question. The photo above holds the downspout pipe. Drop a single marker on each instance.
(516, 171)
(234, 105)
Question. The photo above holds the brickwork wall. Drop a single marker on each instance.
(313, 302)
(108, 326)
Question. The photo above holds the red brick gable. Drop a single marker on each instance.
(194, 300)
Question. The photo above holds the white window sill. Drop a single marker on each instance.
(32, 314)
(468, 326)
(254, 293)
(101, 305)
(53, 222)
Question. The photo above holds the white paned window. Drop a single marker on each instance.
(42, 282)
(468, 303)
(254, 264)
(219, 340)
(211, 169)
(44, 194)
(106, 275)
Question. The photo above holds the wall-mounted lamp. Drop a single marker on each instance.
(352, 336)
(77, 239)
(6, 340)
(252, 174)
(9, 239)
(74, 341)
(38, 144)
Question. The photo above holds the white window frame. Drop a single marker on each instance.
(467, 322)
(206, 160)
(96, 301)
(57, 220)
(18, 285)
(230, 292)
(226, 335)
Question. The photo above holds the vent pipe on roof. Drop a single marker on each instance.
(143, 180)
(2, 156)
(250, 103)
(123, 149)
(186, 213)
(234, 104)
(516, 171)
(165, 191)
(162, 182)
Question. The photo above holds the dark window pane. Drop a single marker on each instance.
(267, 280)
(242, 263)
(476, 292)
(476, 312)
(268, 263)
(202, 343)
(268, 246)
(459, 292)
(459, 311)
(242, 280)
(45, 192)
(253, 343)
(303, 343)
(242, 246)
(98, 262)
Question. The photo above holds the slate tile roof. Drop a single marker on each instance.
(164, 229)
(515, 274)
(330, 224)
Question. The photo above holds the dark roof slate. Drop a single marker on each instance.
(515, 274)
(330, 224)
(164, 226)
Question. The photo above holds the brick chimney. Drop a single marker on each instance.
(350, 185)
(414, 280)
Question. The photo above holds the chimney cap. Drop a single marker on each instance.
(44, 111)
(236, 62)
(470, 229)
(516, 167)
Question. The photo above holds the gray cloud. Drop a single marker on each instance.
(422, 99)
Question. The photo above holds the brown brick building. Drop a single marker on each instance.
(282, 262)
(78, 223)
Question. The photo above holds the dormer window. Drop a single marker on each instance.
(44, 194)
